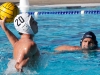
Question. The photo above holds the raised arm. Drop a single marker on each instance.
(12, 38)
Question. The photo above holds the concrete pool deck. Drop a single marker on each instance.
(48, 3)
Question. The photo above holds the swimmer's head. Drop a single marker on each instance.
(25, 24)
(89, 41)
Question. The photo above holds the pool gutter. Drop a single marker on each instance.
(69, 5)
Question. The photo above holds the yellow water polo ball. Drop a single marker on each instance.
(9, 10)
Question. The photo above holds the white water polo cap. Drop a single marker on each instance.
(25, 23)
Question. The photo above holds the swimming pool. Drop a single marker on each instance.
(55, 30)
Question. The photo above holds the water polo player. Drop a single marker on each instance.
(88, 42)
(24, 48)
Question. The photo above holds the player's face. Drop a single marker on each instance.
(87, 43)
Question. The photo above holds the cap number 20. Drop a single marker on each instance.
(19, 20)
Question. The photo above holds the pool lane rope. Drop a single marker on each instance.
(66, 12)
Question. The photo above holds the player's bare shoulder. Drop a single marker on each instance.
(30, 48)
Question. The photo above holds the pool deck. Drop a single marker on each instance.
(56, 3)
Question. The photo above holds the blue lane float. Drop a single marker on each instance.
(66, 12)
(92, 12)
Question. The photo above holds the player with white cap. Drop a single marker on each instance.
(24, 48)
(24, 23)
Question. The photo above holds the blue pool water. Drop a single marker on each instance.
(55, 30)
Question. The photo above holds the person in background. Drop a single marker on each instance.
(24, 49)
(87, 43)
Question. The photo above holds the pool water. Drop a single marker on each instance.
(56, 30)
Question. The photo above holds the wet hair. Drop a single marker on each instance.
(20, 33)
(91, 35)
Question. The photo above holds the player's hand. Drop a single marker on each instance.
(2, 23)
(18, 67)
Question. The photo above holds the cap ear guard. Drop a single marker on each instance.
(22, 23)
(33, 25)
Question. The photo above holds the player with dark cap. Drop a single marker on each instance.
(93, 44)
(88, 42)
